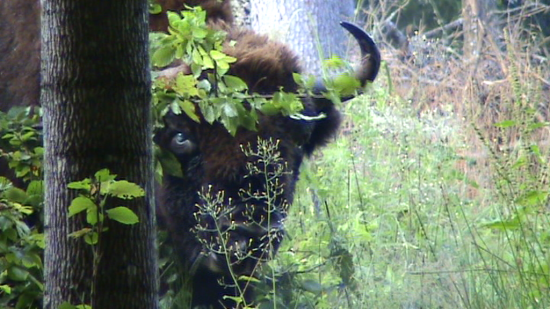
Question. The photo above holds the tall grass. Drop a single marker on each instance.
(434, 195)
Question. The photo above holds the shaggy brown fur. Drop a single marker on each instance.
(19, 53)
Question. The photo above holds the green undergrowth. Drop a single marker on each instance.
(396, 214)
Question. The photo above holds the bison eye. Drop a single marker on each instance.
(180, 139)
(181, 145)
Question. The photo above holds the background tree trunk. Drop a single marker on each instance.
(478, 26)
(311, 28)
(96, 101)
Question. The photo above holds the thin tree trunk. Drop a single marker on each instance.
(311, 28)
(478, 26)
(96, 102)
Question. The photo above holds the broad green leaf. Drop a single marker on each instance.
(230, 110)
(16, 273)
(217, 55)
(15, 195)
(230, 123)
(104, 175)
(83, 184)
(80, 204)
(92, 215)
(164, 56)
(125, 190)
(91, 238)
(189, 109)
(123, 215)
(235, 83)
(207, 63)
(36, 187)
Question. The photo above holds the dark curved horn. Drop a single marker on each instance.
(370, 54)
(370, 57)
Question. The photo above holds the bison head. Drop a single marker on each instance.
(226, 207)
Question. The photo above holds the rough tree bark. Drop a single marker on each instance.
(308, 27)
(96, 103)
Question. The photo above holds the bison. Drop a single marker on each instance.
(225, 211)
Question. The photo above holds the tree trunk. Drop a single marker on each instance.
(96, 103)
(478, 26)
(311, 28)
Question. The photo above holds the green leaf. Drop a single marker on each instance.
(16, 273)
(15, 195)
(80, 233)
(164, 56)
(346, 84)
(123, 215)
(334, 62)
(189, 109)
(80, 185)
(92, 216)
(36, 187)
(236, 299)
(104, 175)
(186, 85)
(512, 224)
(66, 305)
(91, 238)
(155, 8)
(217, 55)
(125, 190)
(5, 288)
(505, 124)
(80, 204)
(532, 198)
(207, 63)
(312, 286)
(235, 83)
(248, 279)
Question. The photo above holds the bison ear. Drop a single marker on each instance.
(325, 129)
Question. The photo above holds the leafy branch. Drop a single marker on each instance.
(201, 83)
